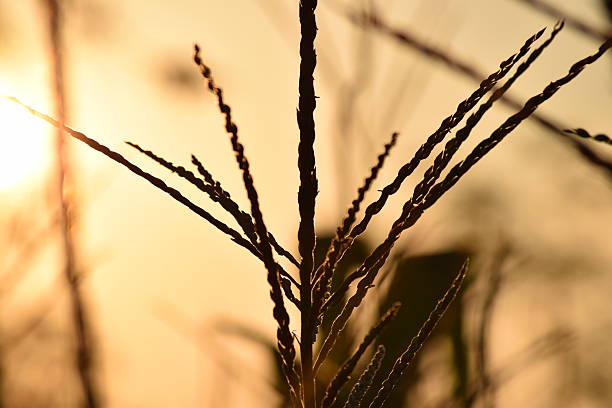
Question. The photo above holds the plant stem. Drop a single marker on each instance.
(307, 191)
(83, 352)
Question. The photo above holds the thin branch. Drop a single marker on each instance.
(284, 337)
(361, 387)
(464, 67)
(208, 178)
(554, 341)
(175, 194)
(493, 288)
(421, 154)
(283, 252)
(343, 374)
(447, 124)
(418, 340)
(510, 124)
(340, 321)
(349, 220)
(413, 210)
(452, 146)
(307, 191)
(84, 351)
(243, 219)
(571, 21)
(13, 272)
(443, 158)
(324, 273)
(601, 138)
(353, 210)
(224, 193)
(217, 194)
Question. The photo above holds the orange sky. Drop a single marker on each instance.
(149, 255)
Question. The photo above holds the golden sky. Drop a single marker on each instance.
(152, 264)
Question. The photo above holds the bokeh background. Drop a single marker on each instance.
(158, 282)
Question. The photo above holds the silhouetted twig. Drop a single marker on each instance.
(361, 387)
(495, 277)
(217, 194)
(84, 353)
(307, 191)
(284, 337)
(456, 63)
(323, 274)
(343, 374)
(421, 154)
(175, 194)
(417, 341)
(571, 21)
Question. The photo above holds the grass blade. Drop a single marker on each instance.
(365, 380)
(307, 191)
(443, 159)
(572, 21)
(417, 341)
(586, 135)
(175, 194)
(325, 271)
(422, 153)
(464, 67)
(217, 194)
(284, 337)
(248, 221)
(343, 374)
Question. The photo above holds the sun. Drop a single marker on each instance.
(24, 146)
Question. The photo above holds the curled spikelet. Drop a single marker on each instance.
(247, 220)
(307, 191)
(509, 125)
(463, 66)
(175, 194)
(412, 211)
(443, 159)
(284, 337)
(217, 194)
(355, 398)
(445, 127)
(337, 247)
(422, 153)
(340, 321)
(418, 340)
(343, 374)
(354, 209)
(586, 135)
(572, 21)
(208, 178)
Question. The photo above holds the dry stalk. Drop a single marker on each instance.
(307, 192)
(283, 334)
(84, 352)
(461, 65)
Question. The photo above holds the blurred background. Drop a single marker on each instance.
(176, 315)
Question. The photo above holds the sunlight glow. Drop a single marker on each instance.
(24, 146)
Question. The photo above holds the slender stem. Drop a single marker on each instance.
(572, 21)
(2, 376)
(83, 352)
(464, 67)
(307, 191)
